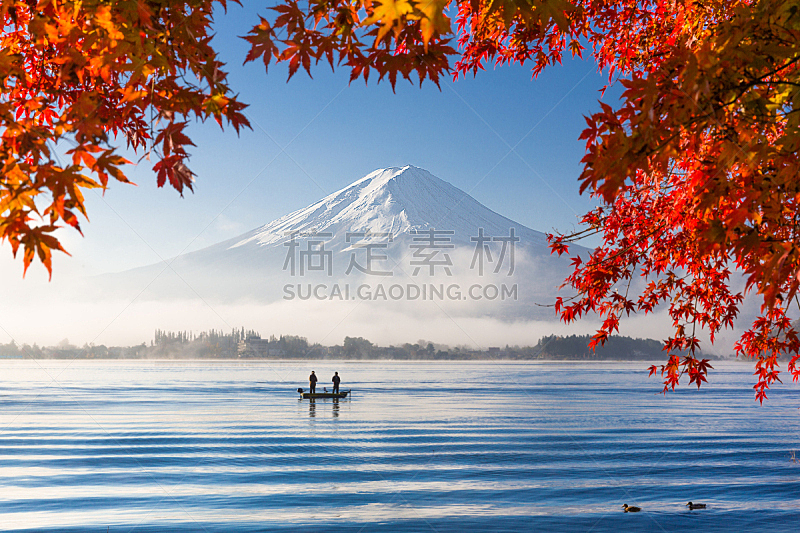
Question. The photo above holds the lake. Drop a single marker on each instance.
(219, 446)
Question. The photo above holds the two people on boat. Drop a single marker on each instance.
(312, 382)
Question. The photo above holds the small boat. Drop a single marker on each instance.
(321, 395)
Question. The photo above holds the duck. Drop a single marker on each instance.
(630, 508)
(692, 506)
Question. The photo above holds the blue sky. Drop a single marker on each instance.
(508, 140)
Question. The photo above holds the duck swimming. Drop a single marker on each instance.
(691, 505)
(630, 508)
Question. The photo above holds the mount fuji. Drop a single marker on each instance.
(395, 201)
(396, 229)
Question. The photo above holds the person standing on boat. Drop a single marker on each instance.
(336, 379)
(312, 382)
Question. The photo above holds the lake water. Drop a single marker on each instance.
(423, 446)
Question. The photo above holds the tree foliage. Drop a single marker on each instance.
(695, 171)
(87, 75)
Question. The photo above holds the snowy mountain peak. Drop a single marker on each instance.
(392, 200)
(325, 241)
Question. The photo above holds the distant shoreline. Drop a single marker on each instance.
(243, 345)
(349, 360)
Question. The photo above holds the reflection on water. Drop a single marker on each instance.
(217, 447)
(312, 406)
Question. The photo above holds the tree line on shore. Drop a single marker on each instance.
(248, 344)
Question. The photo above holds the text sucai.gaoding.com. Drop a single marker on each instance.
(401, 292)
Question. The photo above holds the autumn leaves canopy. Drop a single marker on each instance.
(88, 76)
(695, 170)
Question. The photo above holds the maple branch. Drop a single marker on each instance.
(577, 236)
(628, 248)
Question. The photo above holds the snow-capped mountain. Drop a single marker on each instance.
(394, 227)
(392, 201)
